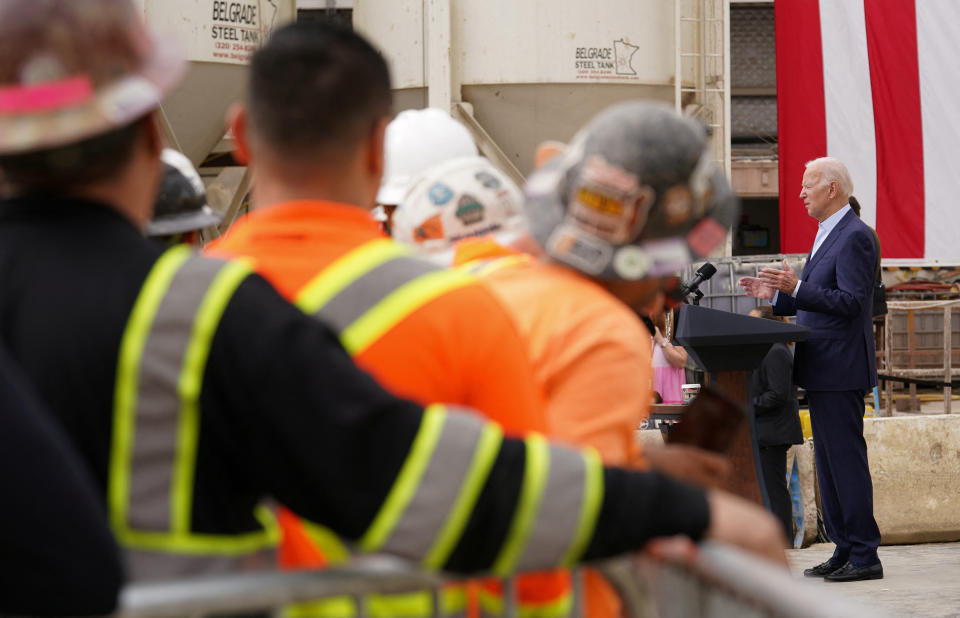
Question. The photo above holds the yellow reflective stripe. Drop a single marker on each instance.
(331, 607)
(534, 482)
(490, 602)
(397, 305)
(189, 385)
(408, 604)
(127, 380)
(205, 544)
(554, 609)
(493, 604)
(453, 600)
(344, 271)
(327, 541)
(407, 480)
(483, 459)
(590, 507)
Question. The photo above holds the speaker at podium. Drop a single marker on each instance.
(727, 347)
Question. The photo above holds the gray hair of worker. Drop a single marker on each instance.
(833, 170)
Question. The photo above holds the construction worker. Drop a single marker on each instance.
(612, 213)
(416, 140)
(426, 333)
(193, 391)
(181, 209)
(50, 565)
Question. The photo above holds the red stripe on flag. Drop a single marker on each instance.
(895, 81)
(801, 119)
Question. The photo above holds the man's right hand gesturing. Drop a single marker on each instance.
(757, 288)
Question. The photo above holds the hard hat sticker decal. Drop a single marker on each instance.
(677, 204)
(440, 194)
(609, 201)
(488, 180)
(666, 256)
(431, 229)
(631, 262)
(46, 96)
(571, 245)
(469, 210)
(706, 236)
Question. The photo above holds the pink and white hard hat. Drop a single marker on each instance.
(463, 198)
(73, 69)
(416, 140)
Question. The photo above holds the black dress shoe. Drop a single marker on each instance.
(824, 568)
(851, 573)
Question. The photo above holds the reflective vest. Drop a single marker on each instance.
(156, 426)
(362, 295)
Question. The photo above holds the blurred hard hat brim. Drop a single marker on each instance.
(187, 222)
(88, 110)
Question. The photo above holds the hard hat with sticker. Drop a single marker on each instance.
(637, 179)
(462, 198)
(416, 140)
(71, 69)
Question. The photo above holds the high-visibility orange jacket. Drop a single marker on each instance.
(579, 336)
(590, 352)
(460, 346)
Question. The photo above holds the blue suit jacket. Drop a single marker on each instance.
(835, 302)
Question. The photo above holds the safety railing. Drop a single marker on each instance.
(719, 582)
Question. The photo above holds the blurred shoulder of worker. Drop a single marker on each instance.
(180, 211)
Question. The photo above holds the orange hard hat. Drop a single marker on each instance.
(73, 69)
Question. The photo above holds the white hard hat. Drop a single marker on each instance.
(458, 199)
(417, 139)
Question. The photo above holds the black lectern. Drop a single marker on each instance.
(727, 346)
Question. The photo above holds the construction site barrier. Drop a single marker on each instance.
(719, 582)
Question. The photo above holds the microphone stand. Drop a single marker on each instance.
(697, 295)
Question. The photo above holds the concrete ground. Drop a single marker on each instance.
(919, 580)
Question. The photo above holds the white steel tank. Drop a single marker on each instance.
(533, 70)
(218, 37)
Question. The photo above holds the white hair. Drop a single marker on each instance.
(833, 170)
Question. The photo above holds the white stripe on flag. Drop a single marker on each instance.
(938, 50)
(848, 98)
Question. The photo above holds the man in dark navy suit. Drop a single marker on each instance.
(833, 298)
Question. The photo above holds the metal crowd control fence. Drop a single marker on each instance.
(721, 582)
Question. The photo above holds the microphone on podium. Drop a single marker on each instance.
(693, 286)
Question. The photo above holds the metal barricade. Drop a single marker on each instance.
(720, 582)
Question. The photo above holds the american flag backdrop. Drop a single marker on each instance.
(875, 83)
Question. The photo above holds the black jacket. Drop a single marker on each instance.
(57, 554)
(774, 399)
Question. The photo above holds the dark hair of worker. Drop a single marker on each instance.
(316, 88)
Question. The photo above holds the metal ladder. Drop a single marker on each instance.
(702, 82)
